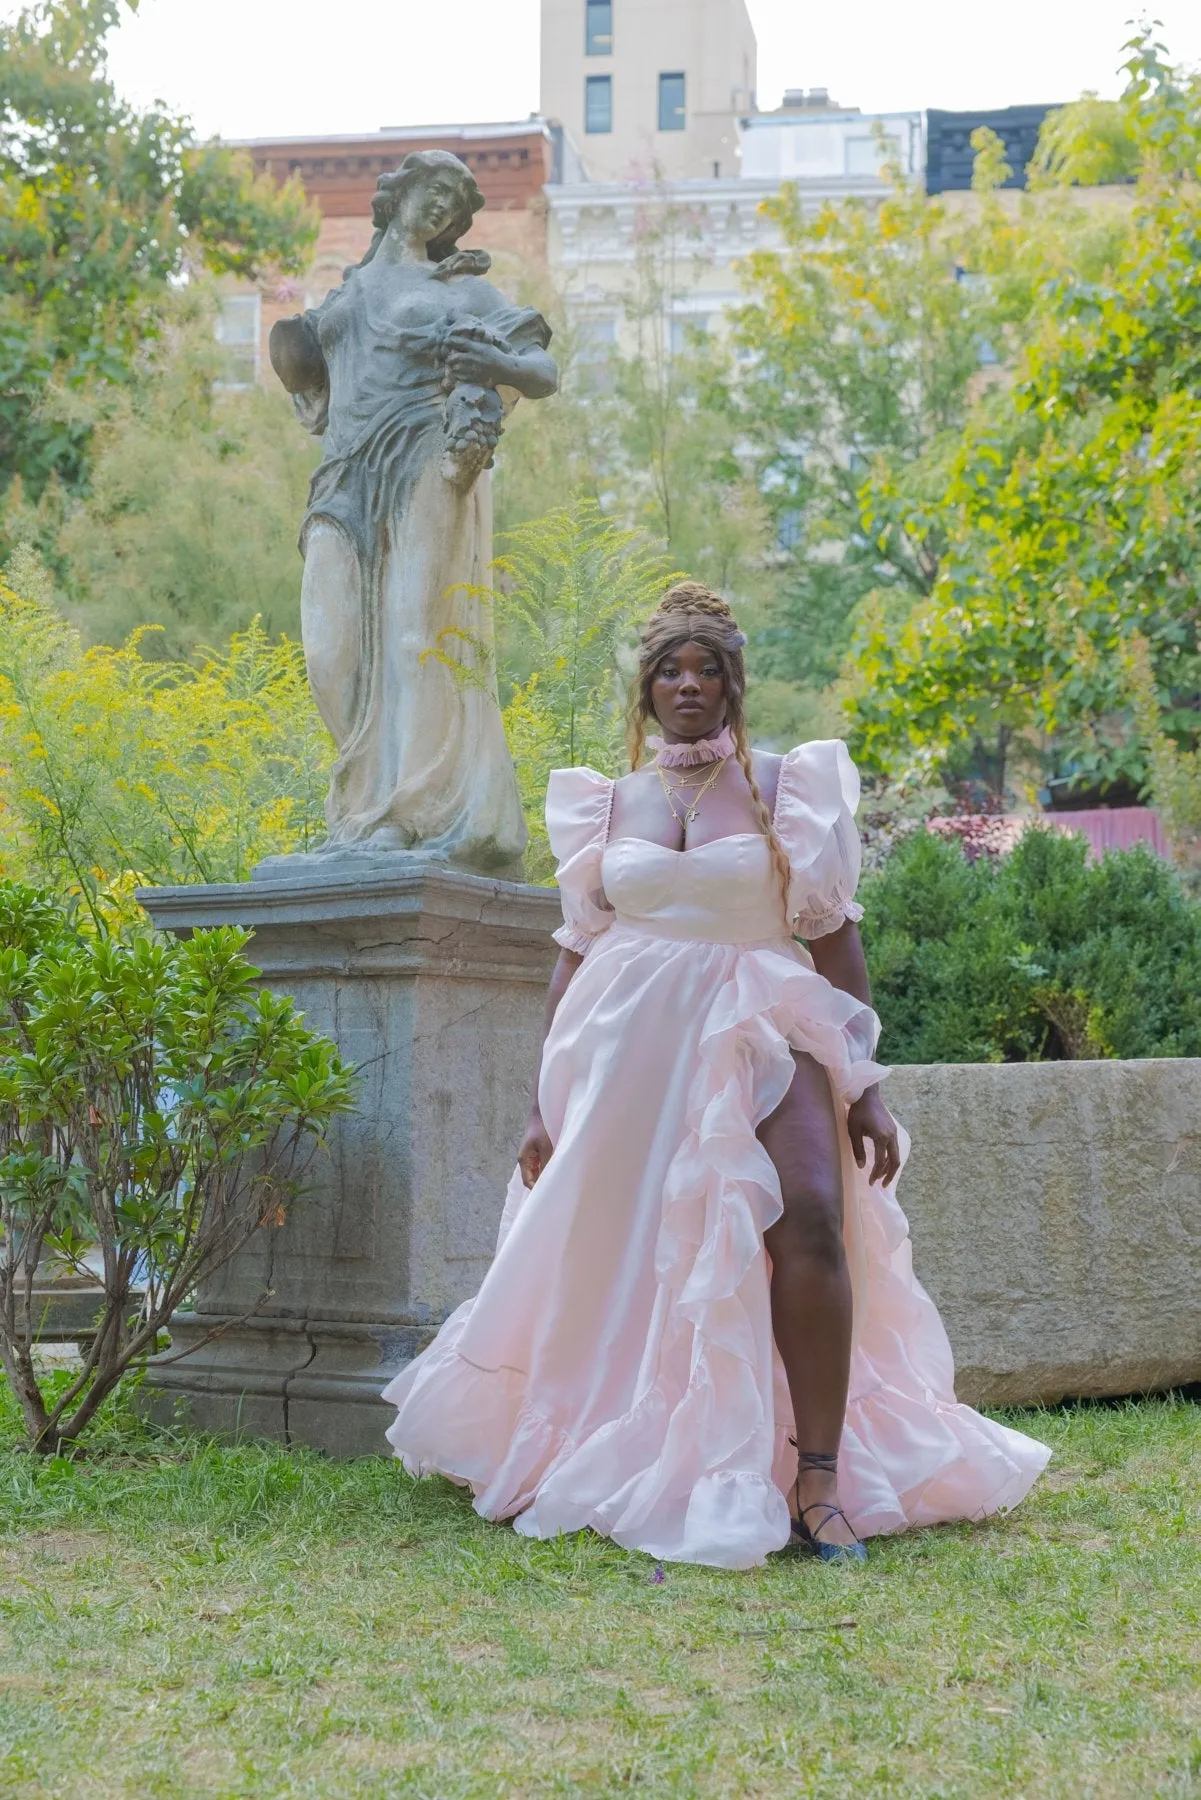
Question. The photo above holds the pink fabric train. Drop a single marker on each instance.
(617, 1369)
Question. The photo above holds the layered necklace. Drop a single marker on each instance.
(695, 769)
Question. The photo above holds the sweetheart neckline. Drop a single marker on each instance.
(731, 837)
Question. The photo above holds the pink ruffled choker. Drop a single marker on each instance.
(700, 750)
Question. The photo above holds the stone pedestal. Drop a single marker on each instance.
(434, 984)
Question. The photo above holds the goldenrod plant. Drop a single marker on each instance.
(175, 771)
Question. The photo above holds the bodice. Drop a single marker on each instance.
(723, 892)
(727, 891)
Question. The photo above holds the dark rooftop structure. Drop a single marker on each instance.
(949, 153)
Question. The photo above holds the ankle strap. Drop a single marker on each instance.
(815, 1459)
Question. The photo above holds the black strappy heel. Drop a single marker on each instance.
(828, 1553)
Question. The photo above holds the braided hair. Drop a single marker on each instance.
(691, 613)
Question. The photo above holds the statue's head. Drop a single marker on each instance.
(431, 198)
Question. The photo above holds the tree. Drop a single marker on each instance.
(1071, 512)
(670, 418)
(190, 516)
(645, 425)
(102, 207)
(155, 1106)
(1088, 142)
(869, 337)
(571, 589)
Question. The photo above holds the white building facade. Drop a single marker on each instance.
(598, 232)
(832, 148)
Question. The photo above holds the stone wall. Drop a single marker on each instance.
(1055, 1210)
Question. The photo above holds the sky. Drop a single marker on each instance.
(259, 68)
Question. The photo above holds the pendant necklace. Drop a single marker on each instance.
(683, 783)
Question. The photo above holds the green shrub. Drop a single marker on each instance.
(1038, 955)
(156, 1106)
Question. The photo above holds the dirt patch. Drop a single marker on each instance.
(474, 1656)
(68, 1546)
(370, 1753)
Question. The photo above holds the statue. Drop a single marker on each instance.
(408, 371)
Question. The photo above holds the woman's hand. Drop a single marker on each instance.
(536, 1149)
(869, 1118)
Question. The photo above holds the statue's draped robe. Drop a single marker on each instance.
(397, 635)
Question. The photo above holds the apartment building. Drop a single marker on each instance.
(649, 89)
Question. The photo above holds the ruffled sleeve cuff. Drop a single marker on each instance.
(816, 800)
(578, 804)
(570, 937)
(809, 925)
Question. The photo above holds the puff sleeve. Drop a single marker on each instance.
(578, 804)
(816, 801)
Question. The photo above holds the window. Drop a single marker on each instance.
(789, 525)
(597, 341)
(986, 350)
(238, 331)
(598, 28)
(866, 157)
(671, 103)
(684, 326)
(598, 103)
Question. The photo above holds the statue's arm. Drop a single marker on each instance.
(297, 358)
(502, 346)
(539, 374)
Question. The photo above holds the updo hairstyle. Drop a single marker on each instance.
(391, 190)
(691, 613)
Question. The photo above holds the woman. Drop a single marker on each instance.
(696, 1262)
(407, 371)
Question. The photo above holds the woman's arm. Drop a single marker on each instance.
(536, 1147)
(839, 957)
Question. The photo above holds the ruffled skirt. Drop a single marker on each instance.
(617, 1368)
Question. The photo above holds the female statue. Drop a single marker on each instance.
(407, 371)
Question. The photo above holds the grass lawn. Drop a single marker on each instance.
(181, 1619)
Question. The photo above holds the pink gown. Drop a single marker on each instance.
(617, 1368)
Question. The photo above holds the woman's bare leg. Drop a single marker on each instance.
(810, 1281)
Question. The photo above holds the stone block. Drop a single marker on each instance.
(1055, 1210)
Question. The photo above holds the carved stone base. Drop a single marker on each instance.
(433, 983)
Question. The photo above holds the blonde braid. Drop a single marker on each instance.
(637, 740)
(763, 817)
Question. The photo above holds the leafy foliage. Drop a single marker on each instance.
(868, 337)
(190, 516)
(1070, 511)
(176, 771)
(1033, 955)
(1088, 142)
(155, 1105)
(644, 424)
(1173, 775)
(101, 207)
(571, 588)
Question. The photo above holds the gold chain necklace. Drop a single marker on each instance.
(671, 794)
